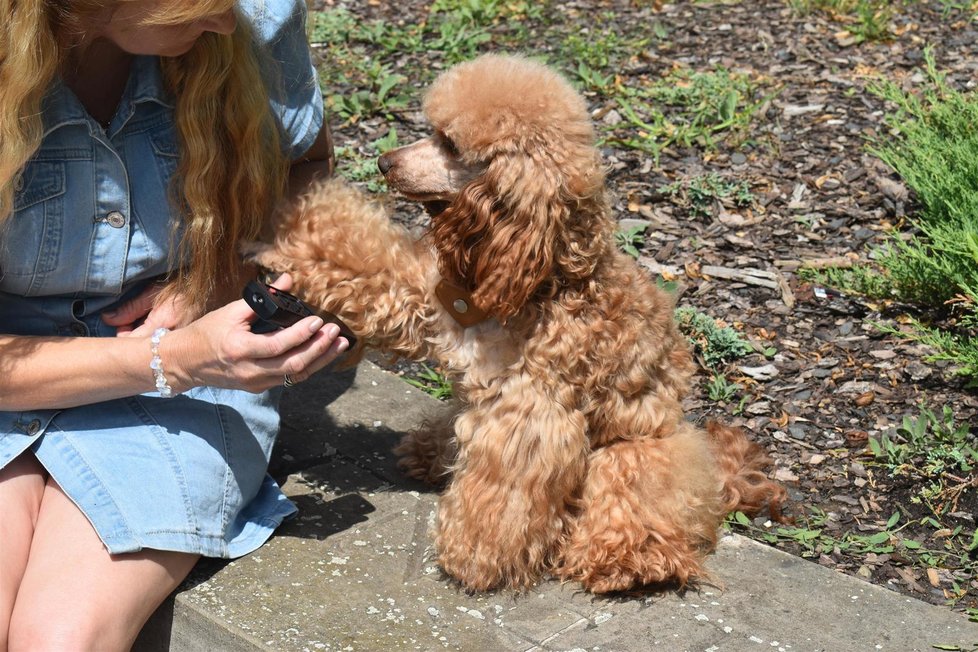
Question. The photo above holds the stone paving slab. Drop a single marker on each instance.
(354, 571)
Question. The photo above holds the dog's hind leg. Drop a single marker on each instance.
(428, 452)
(521, 459)
(649, 513)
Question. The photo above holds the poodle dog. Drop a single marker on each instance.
(569, 455)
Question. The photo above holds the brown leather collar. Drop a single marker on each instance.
(458, 302)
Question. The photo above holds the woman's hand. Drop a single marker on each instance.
(140, 316)
(220, 350)
(144, 313)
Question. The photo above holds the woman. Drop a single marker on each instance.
(140, 141)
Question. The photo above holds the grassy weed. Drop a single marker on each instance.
(432, 382)
(714, 342)
(938, 455)
(361, 61)
(629, 240)
(865, 20)
(362, 167)
(687, 108)
(460, 29)
(814, 534)
(721, 390)
(703, 193)
(594, 57)
(933, 146)
(859, 279)
(359, 57)
(936, 459)
(379, 96)
(968, 7)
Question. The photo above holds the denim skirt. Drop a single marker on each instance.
(186, 473)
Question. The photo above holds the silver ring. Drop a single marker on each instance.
(288, 381)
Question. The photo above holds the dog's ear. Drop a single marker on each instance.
(498, 235)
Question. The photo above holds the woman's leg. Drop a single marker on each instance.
(21, 487)
(74, 595)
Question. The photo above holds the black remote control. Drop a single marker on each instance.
(280, 309)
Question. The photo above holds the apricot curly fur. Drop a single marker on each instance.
(569, 454)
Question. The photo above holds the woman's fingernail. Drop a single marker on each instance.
(342, 344)
(316, 324)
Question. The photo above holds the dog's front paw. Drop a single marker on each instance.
(486, 565)
(485, 546)
(605, 566)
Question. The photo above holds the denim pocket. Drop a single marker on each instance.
(32, 238)
(41, 181)
(165, 150)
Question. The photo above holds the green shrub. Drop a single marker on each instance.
(934, 149)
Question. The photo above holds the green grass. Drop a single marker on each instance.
(860, 279)
(366, 68)
(594, 58)
(941, 548)
(359, 58)
(935, 151)
(935, 457)
(968, 7)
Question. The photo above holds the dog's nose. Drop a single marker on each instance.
(384, 163)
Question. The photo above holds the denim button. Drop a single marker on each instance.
(116, 219)
(79, 329)
(18, 183)
(33, 427)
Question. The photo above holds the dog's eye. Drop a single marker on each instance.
(448, 144)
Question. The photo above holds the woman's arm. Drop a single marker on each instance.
(56, 372)
(319, 162)
(218, 349)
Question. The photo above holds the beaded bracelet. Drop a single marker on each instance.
(156, 364)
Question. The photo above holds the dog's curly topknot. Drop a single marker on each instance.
(498, 103)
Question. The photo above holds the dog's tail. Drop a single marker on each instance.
(746, 487)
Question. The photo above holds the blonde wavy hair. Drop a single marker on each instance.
(232, 170)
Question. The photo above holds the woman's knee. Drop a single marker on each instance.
(63, 631)
(21, 488)
(75, 595)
